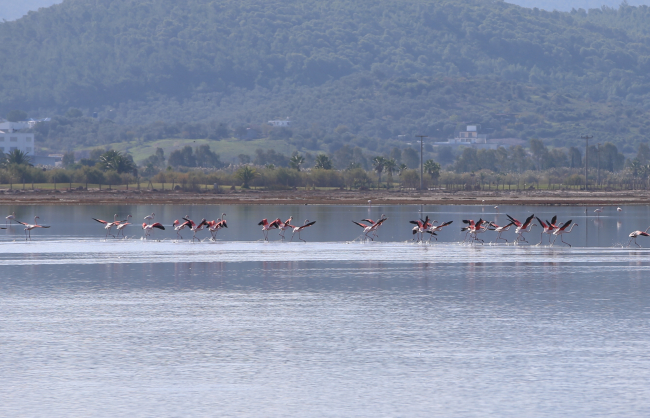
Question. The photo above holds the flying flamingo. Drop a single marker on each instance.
(563, 230)
(196, 228)
(435, 228)
(149, 218)
(215, 226)
(521, 228)
(500, 230)
(300, 228)
(120, 227)
(29, 227)
(266, 226)
(10, 218)
(178, 226)
(635, 234)
(473, 228)
(372, 227)
(148, 228)
(420, 227)
(283, 226)
(549, 227)
(108, 225)
(380, 221)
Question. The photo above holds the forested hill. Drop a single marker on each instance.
(379, 67)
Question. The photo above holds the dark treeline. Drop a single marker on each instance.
(379, 68)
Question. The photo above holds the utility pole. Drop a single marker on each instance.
(421, 158)
(598, 171)
(586, 137)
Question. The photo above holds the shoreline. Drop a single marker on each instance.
(332, 197)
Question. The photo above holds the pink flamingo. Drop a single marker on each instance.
(563, 230)
(283, 226)
(549, 227)
(178, 226)
(196, 228)
(635, 234)
(420, 227)
(148, 228)
(521, 228)
(149, 218)
(474, 228)
(108, 225)
(215, 226)
(435, 228)
(266, 226)
(120, 227)
(29, 227)
(500, 230)
(372, 228)
(300, 228)
(10, 218)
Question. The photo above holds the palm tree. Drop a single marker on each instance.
(323, 162)
(433, 169)
(401, 168)
(390, 166)
(116, 161)
(296, 161)
(378, 165)
(246, 174)
(16, 157)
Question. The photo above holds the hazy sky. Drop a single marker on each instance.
(13, 9)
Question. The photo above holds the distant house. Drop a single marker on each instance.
(11, 140)
(281, 123)
(472, 137)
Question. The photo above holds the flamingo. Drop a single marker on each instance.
(196, 228)
(300, 228)
(147, 228)
(29, 227)
(474, 228)
(375, 225)
(420, 227)
(122, 225)
(549, 227)
(149, 218)
(435, 228)
(178, 226)
(521, 228)
(108, 225)
(599, 210)
(10, 218)
(215, 226)
(500, 230)
(635, 234)
(283, 226)
(619, 210)
(266, 226)
(563, 230)
(370, 228)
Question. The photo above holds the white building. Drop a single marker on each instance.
(469, 138)
(10, 141)
(280, 123)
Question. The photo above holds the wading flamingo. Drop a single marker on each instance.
(521, 228)
(380, 221)
(371, 228)
(196, 228)
(215, 226)
(435, 228)
(635, 234)
(266, 226)
(147, 228)
(549, 227)
(29, 227)
(420, 227)
(122, 225)
(599, 210)
(10, 218)
(500, 230)
(563, 230)
(149, 218)
(474, 228)
(298, 229)
(283, 226)
(109, 225)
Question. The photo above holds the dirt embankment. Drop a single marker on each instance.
(318, 197)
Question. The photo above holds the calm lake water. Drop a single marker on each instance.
(331, 327)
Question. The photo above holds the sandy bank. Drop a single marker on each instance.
(337, 197)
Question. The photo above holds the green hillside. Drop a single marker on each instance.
(373, 69)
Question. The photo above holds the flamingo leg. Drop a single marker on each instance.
(562, 239)
(300, 237)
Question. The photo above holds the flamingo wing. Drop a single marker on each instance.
(308, 224)
(98, 220)
(543, 225)
(553, 220)
(513, 220)
(563, 227)
(528, 220)
(368, 220)
(158, 225)
(364, 226)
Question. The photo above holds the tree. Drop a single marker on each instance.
(433, 169)
(323, 161)
(246, 174)
(378, 166)
(643, 153)
(296, 161)
(68, 159)
(390, 166)
(17, 157)
(16, 115)
(73, 113)
(244, 158)
(116, 161)
(411, 157)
